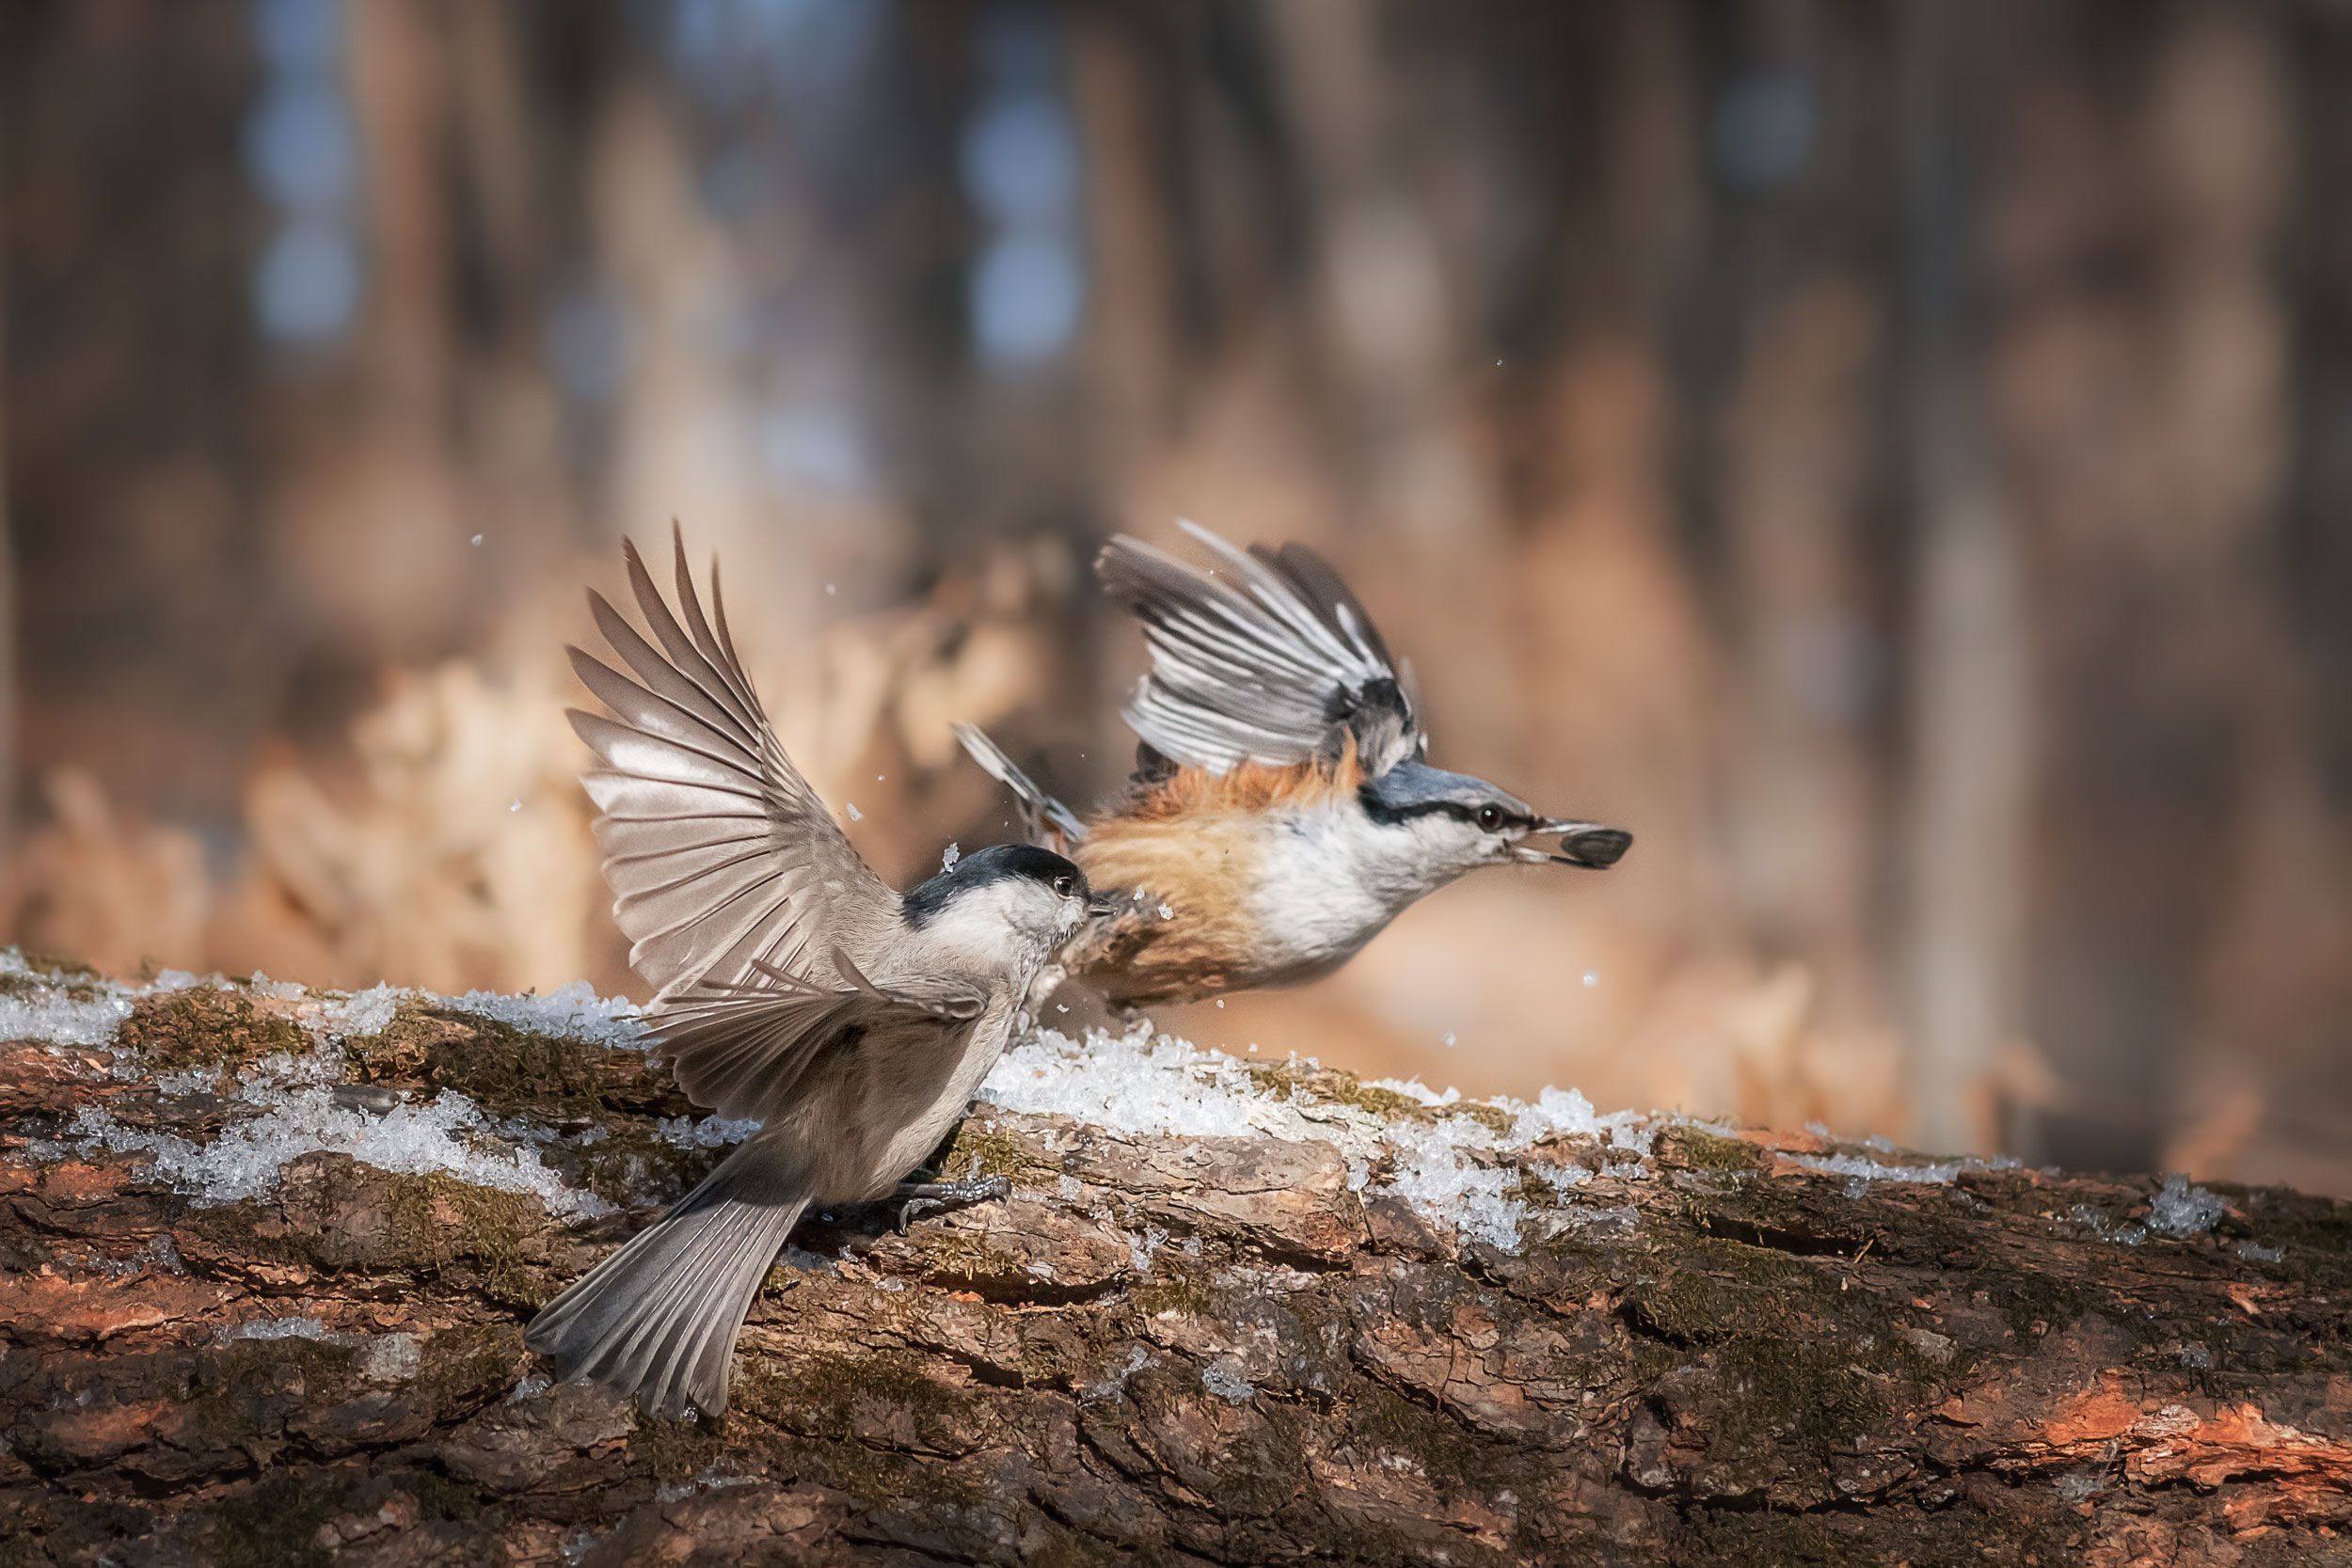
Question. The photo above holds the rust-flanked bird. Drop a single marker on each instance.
(1283, 811)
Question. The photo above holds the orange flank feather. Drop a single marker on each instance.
(1191, 792)
(1190, 844)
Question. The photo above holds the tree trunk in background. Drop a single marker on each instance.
(1971, 706)
(1166, 1350)
(10, 761)
(2146, 406)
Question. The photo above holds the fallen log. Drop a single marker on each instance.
(266, 1257)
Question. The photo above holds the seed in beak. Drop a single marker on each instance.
(1596, 848)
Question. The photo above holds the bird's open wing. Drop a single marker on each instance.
(720, 855)
(1264, 657)
(742, 1048)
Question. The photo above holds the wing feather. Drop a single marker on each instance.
(719, 856)
(1265, 657)
(743, 1048)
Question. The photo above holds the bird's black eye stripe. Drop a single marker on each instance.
(1490, 817)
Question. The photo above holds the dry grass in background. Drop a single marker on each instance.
(446, 844)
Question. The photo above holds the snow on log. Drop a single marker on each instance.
(266, 1257)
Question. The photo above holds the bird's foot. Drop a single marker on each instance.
(922, 1198)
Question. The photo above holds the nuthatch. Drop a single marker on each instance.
(793, 987)
(1280, 812)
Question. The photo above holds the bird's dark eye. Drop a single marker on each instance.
(1063, 885)
(1491, 819)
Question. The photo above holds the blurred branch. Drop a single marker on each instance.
(1971, 701)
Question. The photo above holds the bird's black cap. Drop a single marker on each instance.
(983, 867)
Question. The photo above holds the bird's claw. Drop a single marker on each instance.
(922, 1198)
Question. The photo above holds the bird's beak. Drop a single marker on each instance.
(1585, 844)
(1101, 906)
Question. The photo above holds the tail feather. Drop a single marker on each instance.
(659, 1318)
(1044, 817)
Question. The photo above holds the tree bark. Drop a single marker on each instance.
(1160, 1349)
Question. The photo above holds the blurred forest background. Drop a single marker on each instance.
(1894, 457)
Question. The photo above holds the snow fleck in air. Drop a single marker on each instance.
(1592, 978)
(1447, 1041)
(1224, 1380)
(831, 590)
(1220, 1002)
(1166, 913)
(275, 1328)
(475, 541)
(712, 1131)
(515, 805)
(575, 1011)
(949, 857)
(855, 814)
(2254, 1252)
(2181, 1211)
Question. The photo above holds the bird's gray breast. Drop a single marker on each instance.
(892, 1094)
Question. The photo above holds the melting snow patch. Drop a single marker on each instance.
(1939, 1173)
(1454, 1168)
(278, 990)
(2181, 1211)
(1137, 1359)
(575, 1011)
(275, 1328)
(1433, 1176)
(46, 1011)
(1224, 1380)
(2254, 1252)
(360, 1015)
(295, 1119)
(1128, 1084)
(712, 1131)
(1567, 1114)
(391, 1358)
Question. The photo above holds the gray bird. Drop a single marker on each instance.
(793, 987)
(1282, 812)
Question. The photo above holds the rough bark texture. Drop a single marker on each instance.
(1160, 1350)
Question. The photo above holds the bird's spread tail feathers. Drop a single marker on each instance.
(1046, 818)
(659, 1318)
